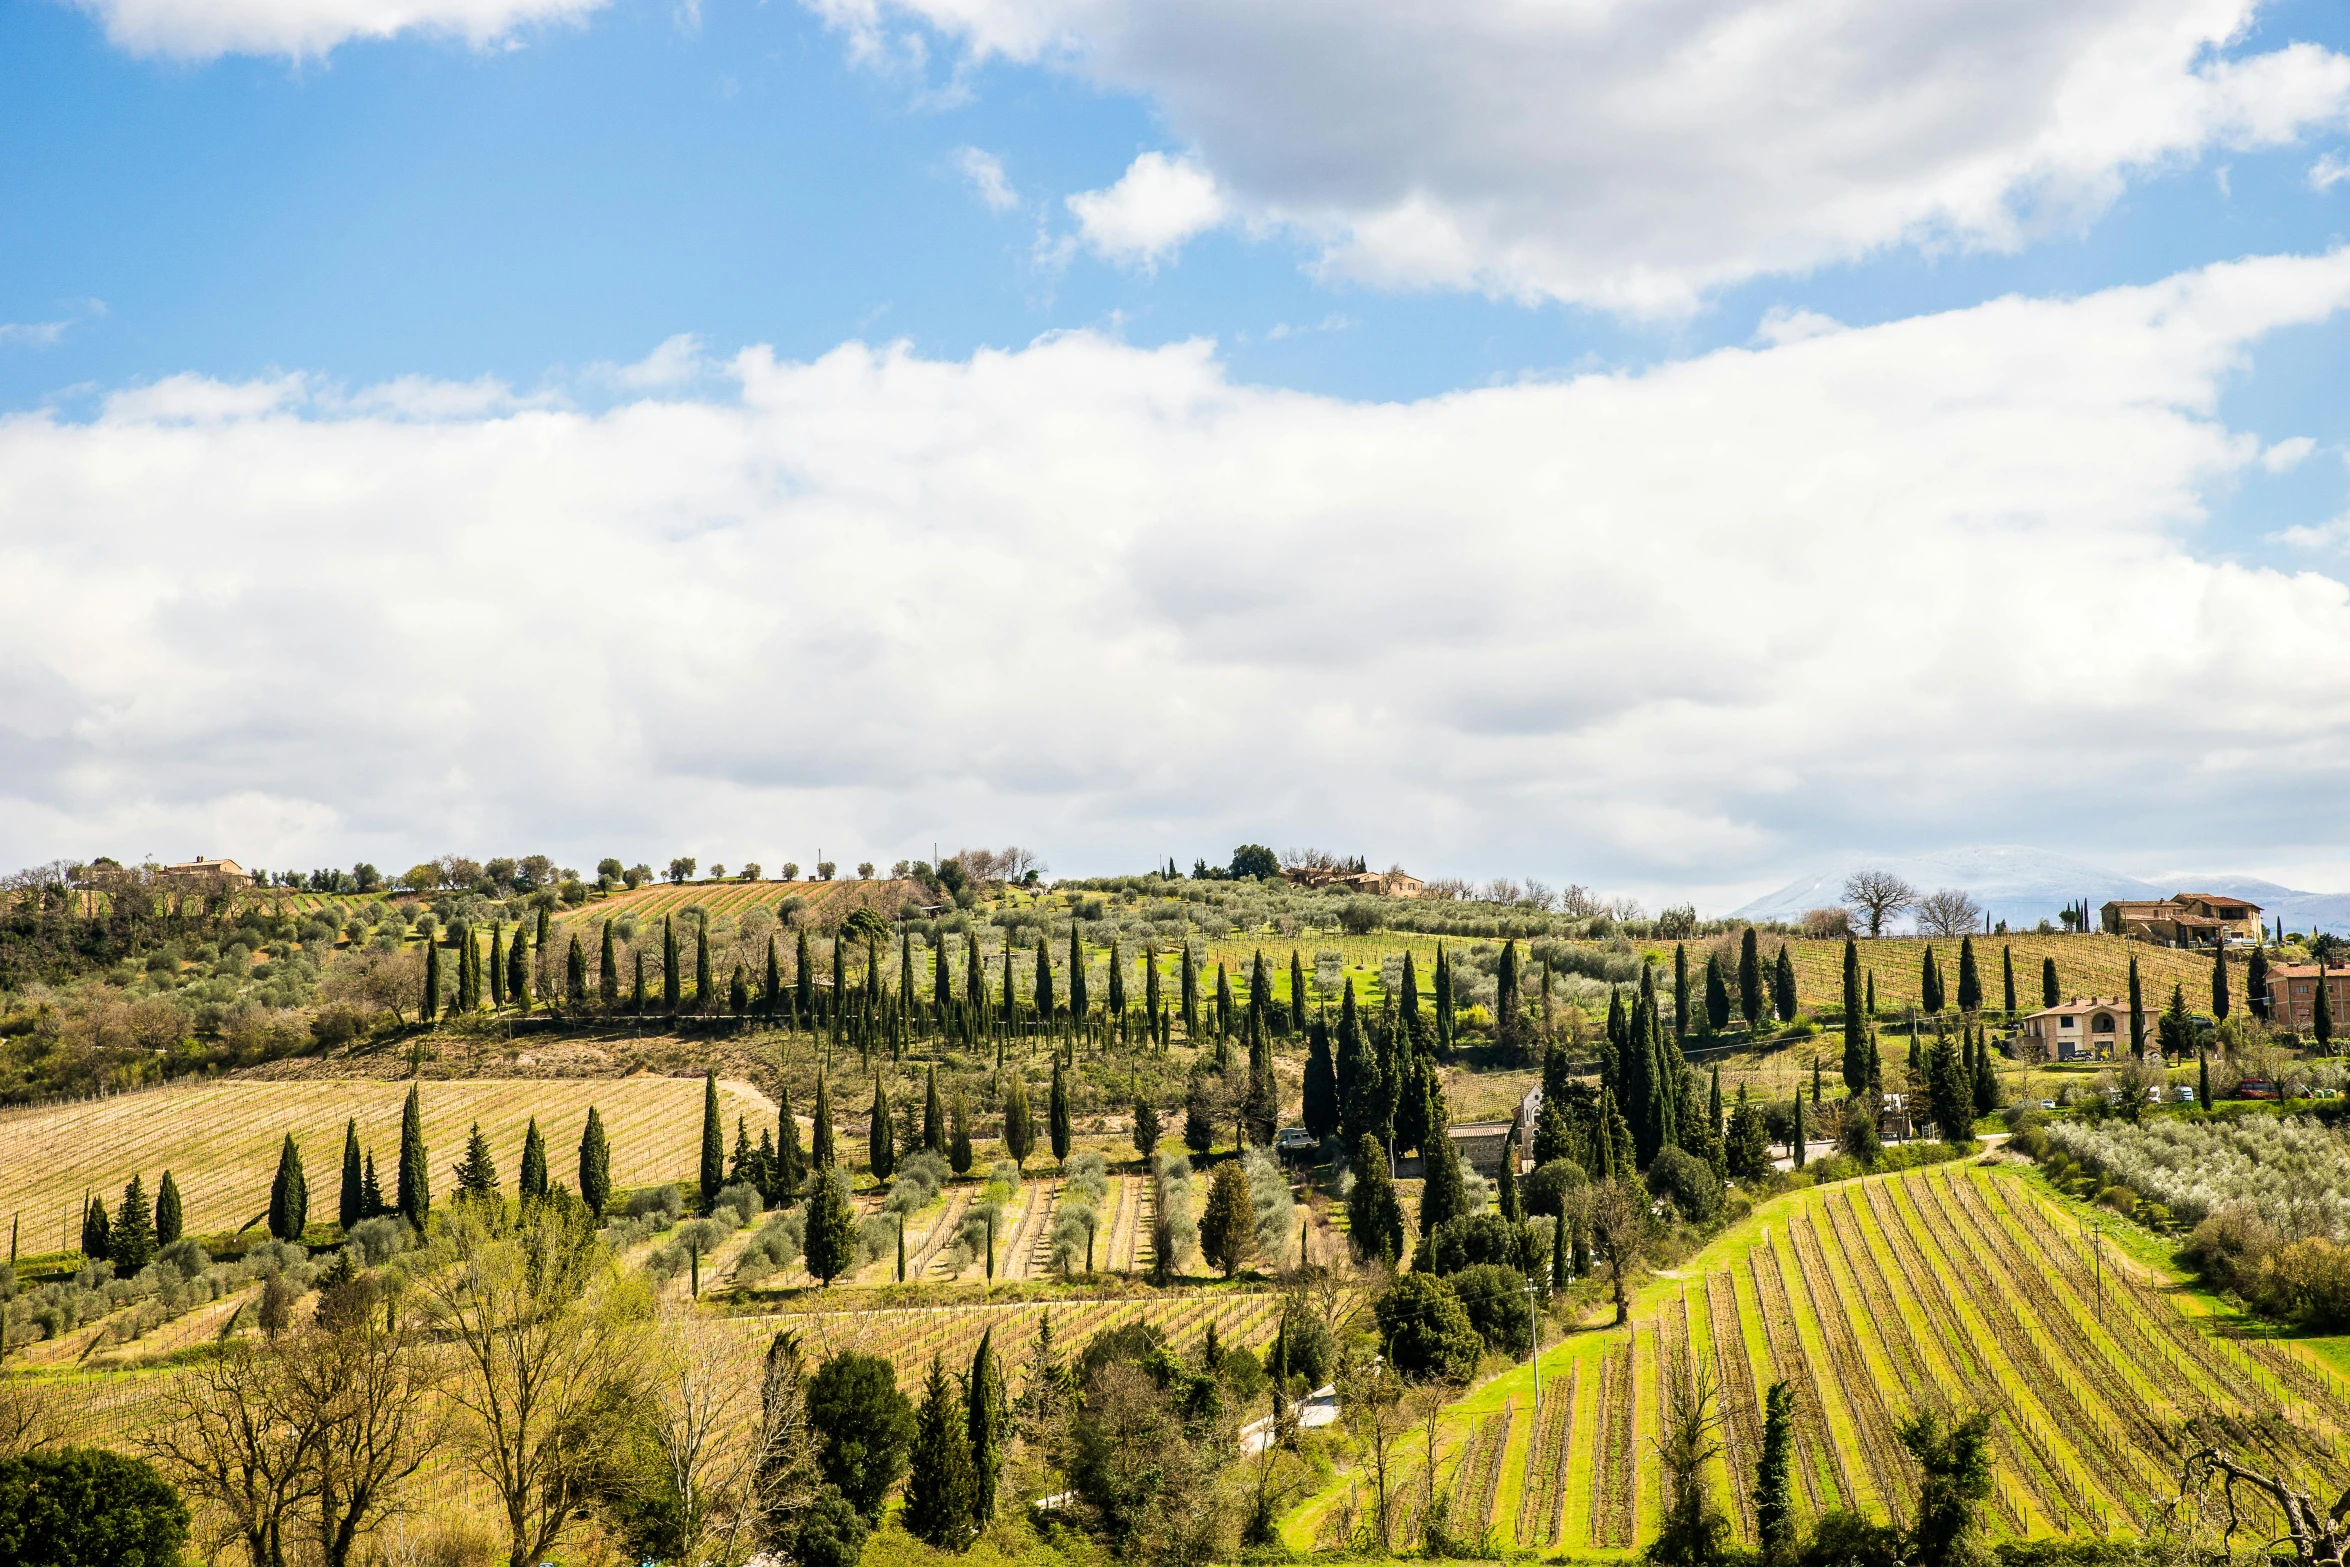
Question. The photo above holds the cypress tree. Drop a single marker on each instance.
(1079, 1002)
(1872, 993)
(97, 1231)
(2007, 978)
(1855, 1045)
(2202, 1079)
(1714, 1106)
(497, 964)
(2321, 1017)
(2050, 994)
(371, 1195)
(791, 1166)
(1444, 1001)
(608, 970)
(1681, 989)
(1750, 989)
(1321, 1085)
(704, 997)
(1297, 994)
(131, 1239)
(518, 970)
(541, 940)
(1150, 988)
(1057, 1114)
(985, 1420)
(1261, 1109)
(959, 1154)
(575, 973)
(939, 1482)
(1019, 1134)
(2138, 1013)
(2255, 982)
(942, 981)
(880, 1145)
(429, 1005)
(1970, 984)
(820, 1154)
(1358, 1073)
(351, 1208)
(1509, 1021)
(672, 983)
(1783, 997)
(934, 1121)
(415, 1174)
(1505, 1191)
(831, 1244)
(738, 993)
(1774, 1494)
(1930, 981)
(2219, 984)
(1116, 998)
(1717, 994)
(1444, 1194)
(804, 980)
(1374, 1217)
(1044, 982)
(1986, 1079)
(289, 1194)
(1223, 1003)
(771, 987)
(534, 1162)
(477, 1173)
(713, 1144)
(637, 1002)
(167, 1213)
(1797, 1137)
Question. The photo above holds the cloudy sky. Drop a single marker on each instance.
(1658, 444)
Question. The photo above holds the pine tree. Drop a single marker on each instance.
(97, 1231)
(1750, 990)
(831, 1241)
(1970, 984)
(429, 1006)
(351, 1208)
(518, 970)
(477, 1173)
(704, 995)
(2050, 995)
(1374, 1217)
(595, 1165)
(2219, 984)
(1774, 1494)
(289, 1194)
(608, 971)
(1855, 1048)
(415, 1174)
(791, 1166)
(1019, 1131)
(167, 1213)
(533, 1184)
(2255, 982)
(934, 1121)
(820, 1149)
(985, 1412)
(131, 1240)
(880, 1146)
(1057, 1115)
(939, 1482)
(959, 1153)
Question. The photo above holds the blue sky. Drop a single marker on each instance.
(199, 199)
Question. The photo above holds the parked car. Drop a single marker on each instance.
(2186, 1093)
(1293, 1142)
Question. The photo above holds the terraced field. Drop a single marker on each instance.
(1943, 1290)
(220, 1140)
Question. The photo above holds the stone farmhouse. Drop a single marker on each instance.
(2184, 919)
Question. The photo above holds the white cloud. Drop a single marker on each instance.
(1635, 156)
(1158, 205)
(2329, 171)
(48, 334)
(985, 171)
(678, 361)
(1922, 582)
(1788, 324)
(2288, 454)
(306, 29)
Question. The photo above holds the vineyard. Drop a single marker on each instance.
(221, 1139)
(1944, 1290)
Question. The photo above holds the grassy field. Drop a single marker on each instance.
(220, 1140)
(1935, 1290)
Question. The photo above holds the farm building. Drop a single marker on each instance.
(200, 867)
(1479, 1144)
(1394, 882)
(2292, 991)
(2079, 1029)
(2184, 919)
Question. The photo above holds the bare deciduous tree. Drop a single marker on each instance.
(2318, 1533)
(701, 1419)
(1615, 1215)
(1877, 895)
(1949, 912)
(1375, 1417)
(1827, 924)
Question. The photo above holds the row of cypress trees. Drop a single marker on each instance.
(132, 1236)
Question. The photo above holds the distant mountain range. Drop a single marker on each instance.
(2024, 886)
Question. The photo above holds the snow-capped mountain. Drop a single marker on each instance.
(2024, 885)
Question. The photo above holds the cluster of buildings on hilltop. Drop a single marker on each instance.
(2184, 919)
(1396, 883)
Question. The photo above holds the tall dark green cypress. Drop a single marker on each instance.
(934, 1121)
(2219, 984)
(2007, 978)
(1855, 1042)
(518, 970)
(289, 1194)
(1970, 983)
(791, 1167)
(595, 1165)
(167, 1212)
(1297, 994)
(97, 1231)
(1509, 1006)
(1079, 1002)
(1774, 1492)
(939, 1481)
(672, 982)
(804, 981)
(1680, 990)
(415, 1173)
(1321, 1084)
(2255, 982)
(881, 1149)
(429, 1005)
(1043, 987)
(351, 1207)
(1750, 987)
(497, 964)
(636, 1003)
(1187, 993)
(2050, 993)
(131, 1242)
(1717, 994)
(820, 1150)
(1783, 998)
(942, 981)
(705, 998)
(986, 1411)
(1358, 1074)
(713, 1143)
(575, 974)
(534, 1162)
(1116, 997)
(1057, 1125)
(771, 988)
(2138, 1014)
(1930, 981)
(1444, 1004)
(608, 970)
